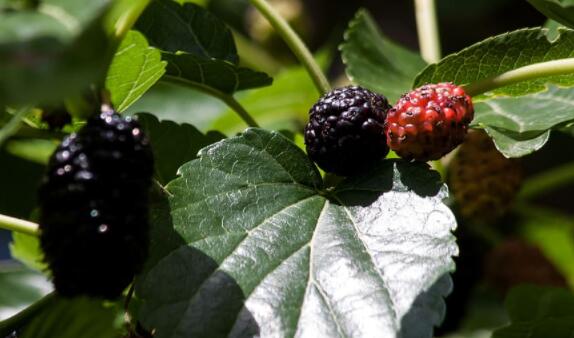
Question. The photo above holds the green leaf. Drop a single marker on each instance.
(376, 62)
(512, 144)
(503, 53)
(35, 150)
(135, 68)
(225, 77)
(537, 312)
(554, 9)
(52, 53)
(517, 124)
(187, 27)
(249, 244)
(27, 250)
(75, 317)
(21, 287)
(198, 46)
(166, 136)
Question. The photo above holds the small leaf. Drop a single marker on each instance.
(537, 312)
(376, 62)
(554, 9)
(134, 69)
(517, 123)
(221, 75)
(248, 244)
(503, 53)
(187, 27)
(166, 136)
(75, 317)
(25, 287)
(26, 249)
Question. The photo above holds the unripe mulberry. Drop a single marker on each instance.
(345, 131)
(483, 181)
(517, 262)
(429, 122)
(94, 207)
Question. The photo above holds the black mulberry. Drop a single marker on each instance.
(94, 207)
(345, 132)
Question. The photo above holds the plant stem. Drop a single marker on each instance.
(7, 326)
(530, 72)
(228, 99)
(548, 181)
(427, 28)
(295, 43)
(18, 225)
(13, 125)
(128, 17)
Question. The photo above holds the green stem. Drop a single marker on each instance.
(128, 17)
(18, 320)
(18, 225)
(547, 181)
(295, 43)
(530, 72)
(13, 125)
(427, 28)
(228, 99)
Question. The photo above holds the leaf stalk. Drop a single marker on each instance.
(427, 30)
(19, 225)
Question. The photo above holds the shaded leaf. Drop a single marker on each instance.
(538, 312)
(376, 62)
(54, 52)
(134, 69)
(174, 144)
(221, 75)
(249, 243)
(187, 27)
(500, 54)
(512, 144)
(75, 317)
(554, 9)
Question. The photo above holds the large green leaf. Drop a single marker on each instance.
(537, 312)
(554, 9)
(500, 54)
(53, 52)
(198, 46)
(168, 136)
(376, 62)
(26, 249)
(519, 126)
(250, 243)
(75, 317)
(134, 69)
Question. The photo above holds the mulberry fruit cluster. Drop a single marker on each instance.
(352, 127)
(94, 207)
(344, 130)
(484, 182)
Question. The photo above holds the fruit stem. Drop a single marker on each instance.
(226, 98)
(7, 326)
(547, 181)
(427, 30)
(13, 125)
(530, 72)
(295, 43)
(18, 225)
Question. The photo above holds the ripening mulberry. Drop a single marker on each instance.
(345, 131)
(429, 122)
(94, 207)
(483, 181)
